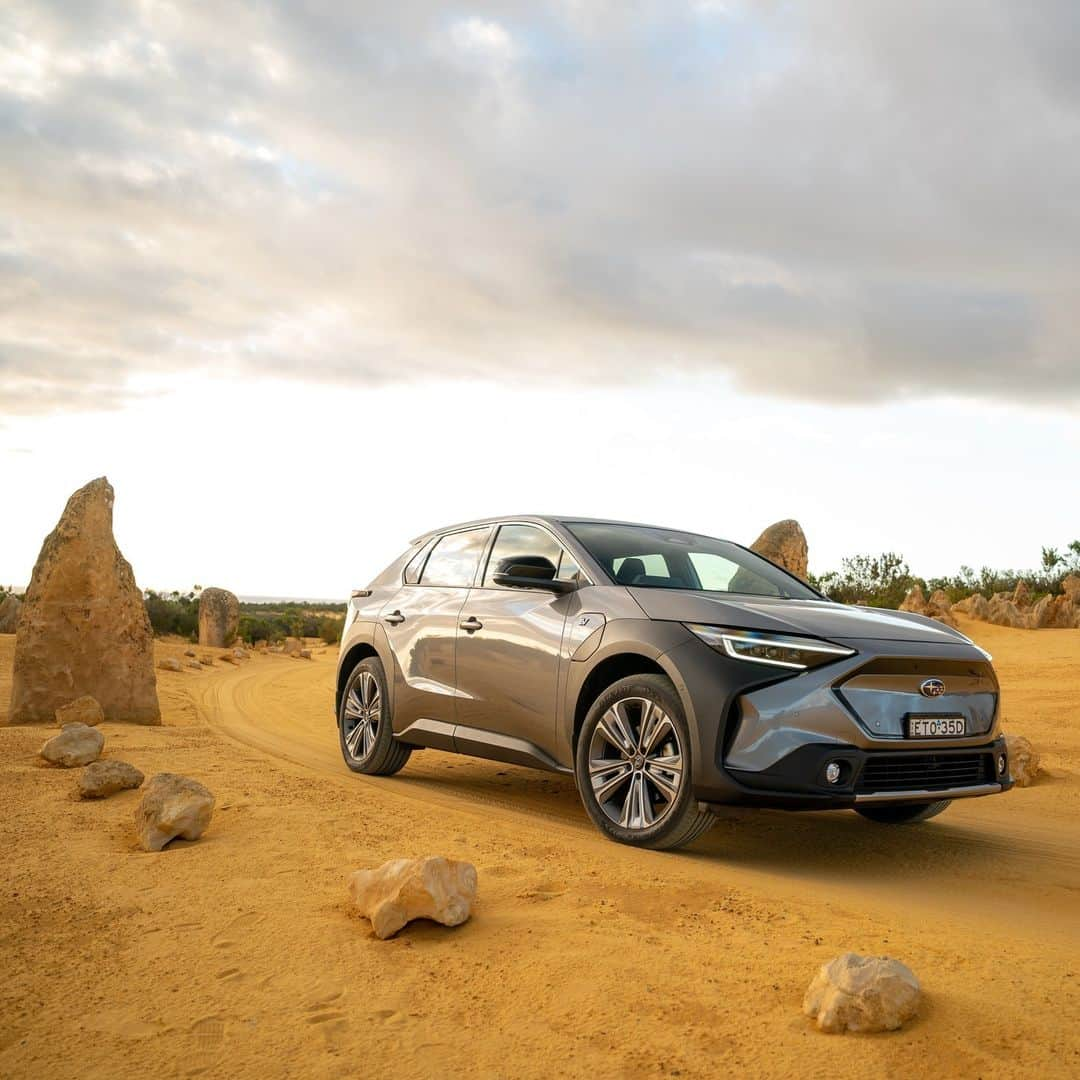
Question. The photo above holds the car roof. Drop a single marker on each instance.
(545, 519)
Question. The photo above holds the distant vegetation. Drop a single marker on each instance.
(173, 613)
(884, 580)
(875, 580)
(178, 613)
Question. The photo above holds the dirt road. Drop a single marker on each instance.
(237, 956)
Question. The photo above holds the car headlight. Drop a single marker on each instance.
(777, 650)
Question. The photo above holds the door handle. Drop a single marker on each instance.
(394, 618)
(471, 624)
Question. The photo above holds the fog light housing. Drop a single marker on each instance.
(1003, 764)
(833, 772)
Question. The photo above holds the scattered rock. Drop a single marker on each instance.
(170, 663)
(405, 889)
(227, 658)
(194, 664)
(936, 607)
(862, 993)
(1016, 609)
(1024, 766)
(219, 616)
(104, 778)
(1002, 611)
(83, 627)
(172, 806)
(293, 646)
(10, 607)
(304, 654)
(77, 744)
(784, 543)
(189, 652)
(206, 661)
(83, 710)
(1070, 587)
(240, 654)
(975, 606)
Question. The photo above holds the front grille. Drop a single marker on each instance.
(924, 772)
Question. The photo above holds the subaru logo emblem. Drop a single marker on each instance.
(932, 688)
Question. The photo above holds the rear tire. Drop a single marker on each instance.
(365, 727)
(633, 766)
(903, 813)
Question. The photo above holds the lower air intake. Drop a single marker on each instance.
(925, 772)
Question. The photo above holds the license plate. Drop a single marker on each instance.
(936, 727)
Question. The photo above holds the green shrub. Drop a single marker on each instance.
(875, 580)
(173, 613)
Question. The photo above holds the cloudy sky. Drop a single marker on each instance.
(305, 278)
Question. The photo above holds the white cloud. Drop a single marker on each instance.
(845, 201)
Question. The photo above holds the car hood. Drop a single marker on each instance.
(820, 618)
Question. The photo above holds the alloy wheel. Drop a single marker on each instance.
(635, 763)
(363, 713)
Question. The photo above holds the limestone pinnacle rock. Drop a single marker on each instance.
(83, 628)
(219, 617)
(784, 543)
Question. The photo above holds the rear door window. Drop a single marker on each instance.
(454, 559)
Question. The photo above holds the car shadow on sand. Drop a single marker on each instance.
(836, 845)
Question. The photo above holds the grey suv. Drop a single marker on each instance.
(668, 672)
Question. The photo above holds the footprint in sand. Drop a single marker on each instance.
(543, 890)
(235, 929)
(208, 1036)
(332, 1022)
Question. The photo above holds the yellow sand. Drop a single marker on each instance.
(237, 956)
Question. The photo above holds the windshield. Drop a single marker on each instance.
(663, 559)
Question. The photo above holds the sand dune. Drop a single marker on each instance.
(238, 957)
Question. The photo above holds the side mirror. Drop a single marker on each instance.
(530, 572)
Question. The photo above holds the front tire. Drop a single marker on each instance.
(903, 813)
(633, 766)
(365, 729)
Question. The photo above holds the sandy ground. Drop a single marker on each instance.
(237, 956)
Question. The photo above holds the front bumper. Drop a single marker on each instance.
(798, 781)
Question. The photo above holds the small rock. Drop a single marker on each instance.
(77, 744)
(227, 658)
(172, 806)
(104, 778)
(862, 993)
(189, 652)
(169, 663)
(293, 646)
(304, 654)
(1024, 764)
(240, 654)
(401, 890)
(206, 661)
(194, 664)
(83, 710)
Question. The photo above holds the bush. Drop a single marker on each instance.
(330, 629)
(875, 580)
(173, 613)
